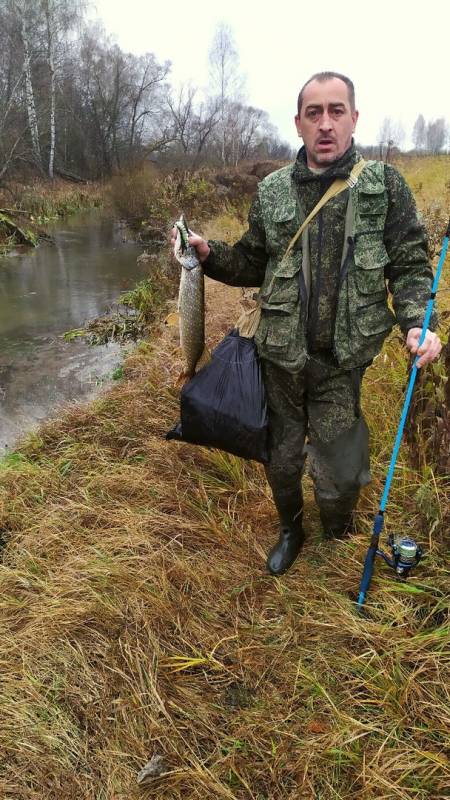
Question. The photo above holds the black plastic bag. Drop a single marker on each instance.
(224, 404)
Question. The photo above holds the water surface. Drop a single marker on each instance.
(45, 292)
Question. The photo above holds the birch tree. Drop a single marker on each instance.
(436, 135)
(225, 78)
(26, 17)
(419, 134)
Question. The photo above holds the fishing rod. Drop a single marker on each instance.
(405, 552)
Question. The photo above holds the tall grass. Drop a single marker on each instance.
(45, 200)
(137, 618)
(150, 199)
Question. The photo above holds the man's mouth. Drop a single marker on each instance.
(325, 142)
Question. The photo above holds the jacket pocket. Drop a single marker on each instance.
(278, 331)
(284, 213)
(372, 208)
(282, 288)
(283, 226)
(374, 319)
(371, 258)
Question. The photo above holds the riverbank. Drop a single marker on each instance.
(138, 619)
(31, 206)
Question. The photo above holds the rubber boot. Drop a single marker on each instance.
(337, 516)
(291, 538)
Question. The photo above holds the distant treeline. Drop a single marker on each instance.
(73, 103)
(429, 138)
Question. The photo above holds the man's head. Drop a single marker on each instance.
(326, 117)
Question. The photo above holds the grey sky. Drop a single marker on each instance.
(395, 52)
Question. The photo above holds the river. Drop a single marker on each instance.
(45, 292)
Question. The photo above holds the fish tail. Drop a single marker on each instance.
(204, 359)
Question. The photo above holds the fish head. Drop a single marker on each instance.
(183, 251)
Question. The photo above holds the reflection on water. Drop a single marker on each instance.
(48, 291)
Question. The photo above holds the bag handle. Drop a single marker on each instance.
(248, 322)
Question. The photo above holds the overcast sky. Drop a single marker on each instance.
(396, 52)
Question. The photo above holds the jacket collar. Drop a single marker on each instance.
(338, 169)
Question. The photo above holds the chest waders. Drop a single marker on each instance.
(406, 554)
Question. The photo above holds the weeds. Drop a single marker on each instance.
(138, 620)
(50, 200)
(135, 312)
(35, 204)
(150, 199)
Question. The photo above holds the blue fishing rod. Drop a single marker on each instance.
(406, 554)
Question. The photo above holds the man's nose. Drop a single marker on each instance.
(325, 122)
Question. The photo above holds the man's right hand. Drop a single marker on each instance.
(201, 246)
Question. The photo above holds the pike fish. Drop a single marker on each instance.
(191, 303)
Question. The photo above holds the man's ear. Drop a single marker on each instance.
(298, 125)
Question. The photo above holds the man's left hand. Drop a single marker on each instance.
(428, 350)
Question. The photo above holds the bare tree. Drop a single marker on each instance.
(391, 135)
(60, 17)
(26, 17)
(145, 95)
(244, 124)
(436, 135)
(226, 81)
(419, 133)
(193, 124)
(73, 103)
(183, 115)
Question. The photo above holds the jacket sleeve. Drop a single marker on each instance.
(244, 263)
(409, 272)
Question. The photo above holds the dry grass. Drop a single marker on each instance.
(45, 199)
(137, 618)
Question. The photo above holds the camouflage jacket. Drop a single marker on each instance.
(330, 292)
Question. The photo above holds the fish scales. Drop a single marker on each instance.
(191, 301)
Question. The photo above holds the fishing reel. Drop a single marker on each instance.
(406, 554)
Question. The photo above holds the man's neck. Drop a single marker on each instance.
(317, 170)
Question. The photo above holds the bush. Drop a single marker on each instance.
(137, 195)
(150, 199)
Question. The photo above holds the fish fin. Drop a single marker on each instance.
(172, 319)
(204, 359)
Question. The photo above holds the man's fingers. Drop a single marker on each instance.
(194, 239)
(429, 350)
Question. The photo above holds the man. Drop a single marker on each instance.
(324, 312)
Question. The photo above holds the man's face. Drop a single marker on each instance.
(326, 122)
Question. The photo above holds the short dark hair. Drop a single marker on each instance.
(328, 76)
